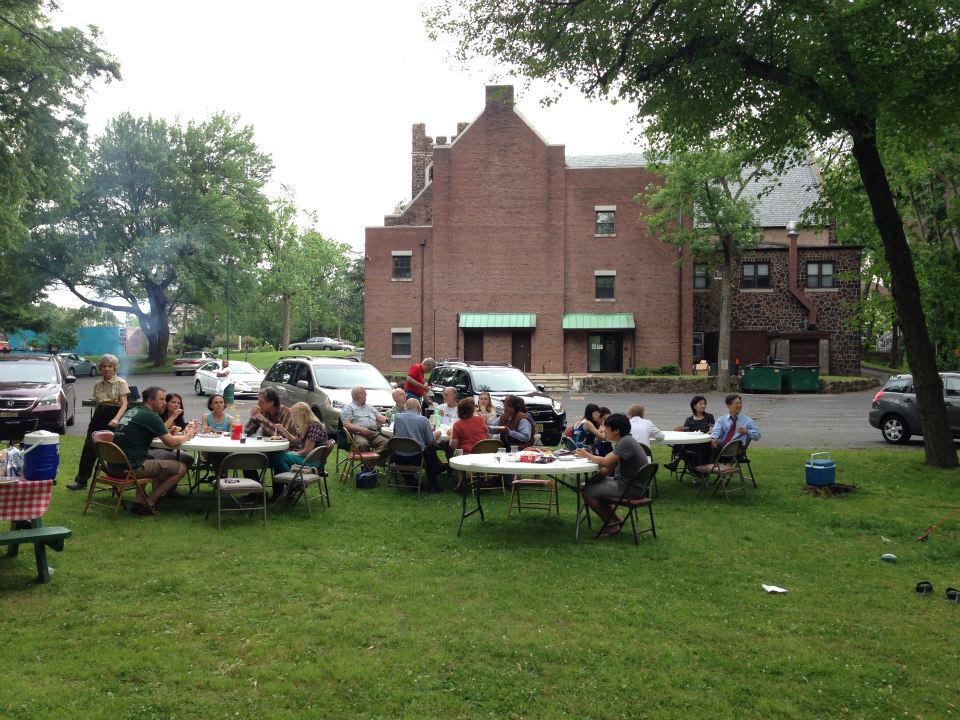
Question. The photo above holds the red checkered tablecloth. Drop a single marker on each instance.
(25, 499)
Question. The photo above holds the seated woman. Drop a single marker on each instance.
(175, 421)
(515, 425)
(486, 410)
(469, 429)
(616, 470)
(310, 433)
(602, 446)
(587, 430)
(217, 419)
(699, 421)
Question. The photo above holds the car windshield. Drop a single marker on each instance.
(348, 376)
(243, 368)
(501, 380)
(29, 372)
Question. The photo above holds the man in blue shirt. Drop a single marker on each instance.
(412, 424)
(734, 425)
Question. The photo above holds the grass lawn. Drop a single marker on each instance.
(375, 609)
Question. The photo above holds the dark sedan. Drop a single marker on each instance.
(35, 387)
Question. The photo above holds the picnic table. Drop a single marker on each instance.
(23, 503)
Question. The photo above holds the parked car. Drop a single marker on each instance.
(319, 343)
(245, 377)
(894, 410)
(325, 384)
(189, 363)
(78, 364)
(36, 387)
(500, 380)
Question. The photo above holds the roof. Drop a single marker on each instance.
(623, 160)
(796, 189)
(598, 321)
(498, 320)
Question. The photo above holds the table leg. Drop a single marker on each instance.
(465, 487)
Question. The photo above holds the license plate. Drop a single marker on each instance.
(539, 427)
(7, 413)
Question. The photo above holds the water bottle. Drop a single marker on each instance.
(436, 418)
(260, 432)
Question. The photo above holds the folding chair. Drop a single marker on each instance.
(646, 449)
(312, 472)
(635, 496)
(569, 443)
(744, 460)
(548, 485)
(355, 458)
(404, 458)
(115, 483)
(233, 486)
(486, 447)
(725, 466)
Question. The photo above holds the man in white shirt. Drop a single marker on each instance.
(448, 411)
(641, 429)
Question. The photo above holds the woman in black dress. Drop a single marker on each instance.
(699, 421)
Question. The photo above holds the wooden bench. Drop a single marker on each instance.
(42, 538)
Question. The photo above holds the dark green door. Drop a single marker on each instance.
(605, 353)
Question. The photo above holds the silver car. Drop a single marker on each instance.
(895, 413)
(318, 343)
(325, 384)
(78, 365)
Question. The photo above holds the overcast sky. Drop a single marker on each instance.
(331, 89)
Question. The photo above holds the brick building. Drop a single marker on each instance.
(512, 251)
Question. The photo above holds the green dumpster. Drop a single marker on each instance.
(798, 378)
(761, 378)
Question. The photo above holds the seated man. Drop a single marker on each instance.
(734, 425)
(268, 413)
(617, 468)
(448, 410)
(411, 424)
(364, 422)
(134, 432)
(399, 401)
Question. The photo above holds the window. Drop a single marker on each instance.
(281, 373)
(701, 278)
(951, 386)
(402, 264)
(605, 280)
(606, 217)
(756, 275)
(899, 384)
(820, 275)
(401, 342)
(697, 345)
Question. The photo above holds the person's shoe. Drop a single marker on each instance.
(77, 484)
(672, 465)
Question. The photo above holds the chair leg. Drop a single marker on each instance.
(633, 525)
(653, 528)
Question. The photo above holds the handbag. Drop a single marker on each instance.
(367, 479)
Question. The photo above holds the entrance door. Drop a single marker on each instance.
(521, 351)
(805, 352)
(472, 345)
(605, 353)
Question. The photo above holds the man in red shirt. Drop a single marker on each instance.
(416, 385)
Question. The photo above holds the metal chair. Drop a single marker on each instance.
(635, 496)
(312, 472)
(646, 449)
(486, 447)
(547, 485)
(355, 458)
(404, 458)
(230, 487)
(569, 443)
(117, 483)
(725, 466)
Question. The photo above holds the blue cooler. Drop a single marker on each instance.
(41, 455)
(821, 469)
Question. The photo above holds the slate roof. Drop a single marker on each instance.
(795, 190)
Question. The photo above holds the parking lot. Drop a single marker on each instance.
(818, 422)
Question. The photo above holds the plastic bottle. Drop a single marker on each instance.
(436, 418)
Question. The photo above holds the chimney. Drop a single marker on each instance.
(421, 156)
(500, 95)
(461, 127)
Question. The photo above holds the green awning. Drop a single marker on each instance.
(598, 321)
(498, 320)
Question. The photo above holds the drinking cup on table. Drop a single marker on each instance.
(514, 448)
(237, 432)
(500, 453)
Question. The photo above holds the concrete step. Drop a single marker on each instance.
(553, 383)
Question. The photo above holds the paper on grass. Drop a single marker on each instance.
(772, 588)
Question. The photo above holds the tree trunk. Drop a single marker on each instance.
(159, 320)
(285, 337)
(937, 443)
(726, 313)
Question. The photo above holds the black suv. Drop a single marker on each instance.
(500, 380)
(35, 388)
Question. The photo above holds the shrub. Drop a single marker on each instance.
(641, 371)
(667, 370)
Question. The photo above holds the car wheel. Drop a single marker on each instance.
(894, 430)
(198, 388)
(93, 370)
(71, 371)
(326, 347)
(62, 427)
(72, 419)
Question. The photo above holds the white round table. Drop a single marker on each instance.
(223, 444)
(561, 471)
(676, 437)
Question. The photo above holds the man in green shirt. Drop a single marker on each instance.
(135, 431)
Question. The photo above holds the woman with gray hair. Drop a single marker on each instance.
(110, 393)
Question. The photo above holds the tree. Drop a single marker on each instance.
(775, 75)
(705, 187)
(163, 214)
(44, 76)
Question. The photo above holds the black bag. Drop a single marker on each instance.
(367, 479)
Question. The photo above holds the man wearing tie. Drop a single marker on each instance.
(734, 425)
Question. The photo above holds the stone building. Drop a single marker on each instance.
(512, 251)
